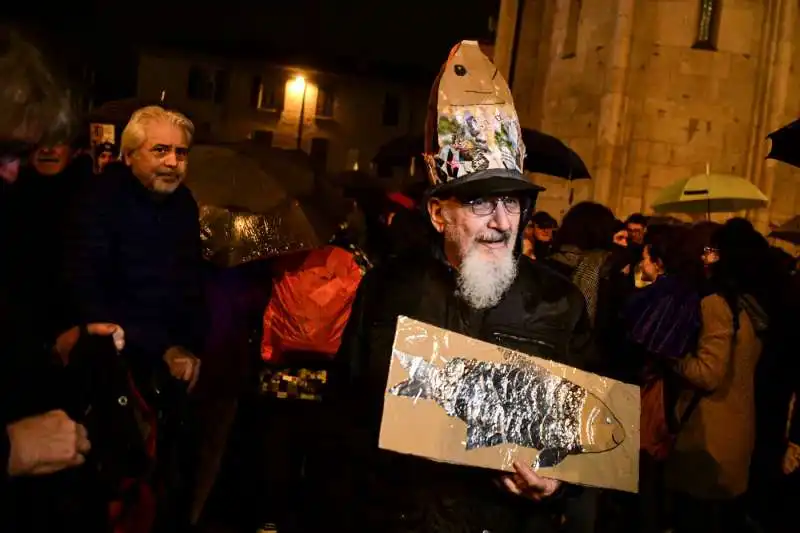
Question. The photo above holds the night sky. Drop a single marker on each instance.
(413, 32)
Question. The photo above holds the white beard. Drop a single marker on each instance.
(481, 282)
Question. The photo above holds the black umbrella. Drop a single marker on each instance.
(399, 151)
(548, 155)
(784, 144)
(118, 112)
(351, 180)
(545, 154)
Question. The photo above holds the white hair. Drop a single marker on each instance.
(133, 136)
(481, 283)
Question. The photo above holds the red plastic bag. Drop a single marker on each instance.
(310, 304)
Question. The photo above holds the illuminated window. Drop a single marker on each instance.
(267, 94)
(707, 25)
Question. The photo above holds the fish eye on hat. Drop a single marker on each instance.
(474, 146)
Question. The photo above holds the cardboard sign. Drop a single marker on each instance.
(455, 399)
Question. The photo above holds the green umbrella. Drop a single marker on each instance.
(709, 193)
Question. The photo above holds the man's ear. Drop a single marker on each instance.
(435, 210)
(126, 158)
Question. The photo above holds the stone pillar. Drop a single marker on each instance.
(776, 98)
(504, 37)
(613, 109)
(755, 153)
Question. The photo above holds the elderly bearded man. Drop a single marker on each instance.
(475, 282)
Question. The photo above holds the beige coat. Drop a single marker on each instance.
(712, 453)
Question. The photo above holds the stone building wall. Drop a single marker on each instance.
(621, 84)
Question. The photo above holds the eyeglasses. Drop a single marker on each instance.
(483, 207)
(709, 250)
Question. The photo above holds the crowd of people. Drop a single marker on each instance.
(701, 317)
(109, 308)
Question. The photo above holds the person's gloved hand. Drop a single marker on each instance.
(45, 444)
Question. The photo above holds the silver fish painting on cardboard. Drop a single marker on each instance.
(514, 402)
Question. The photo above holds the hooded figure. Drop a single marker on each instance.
(471, 280)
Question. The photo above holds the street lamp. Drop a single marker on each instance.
(299, 85)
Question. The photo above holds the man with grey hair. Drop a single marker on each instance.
(141, 211)
(155, 145)
(134, 256)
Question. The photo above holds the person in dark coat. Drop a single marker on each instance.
(33, 106)
(134, 254)
(474, 281)
(134, 258)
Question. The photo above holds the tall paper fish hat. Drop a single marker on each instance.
(473, 140)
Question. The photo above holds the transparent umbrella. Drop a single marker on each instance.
(234, 235)
(255, 180)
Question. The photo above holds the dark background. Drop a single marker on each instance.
(95, 44)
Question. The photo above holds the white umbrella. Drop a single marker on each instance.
(709, 193)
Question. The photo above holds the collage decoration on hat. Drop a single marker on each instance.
(472, 132)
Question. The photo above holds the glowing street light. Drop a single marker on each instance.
(298, 85)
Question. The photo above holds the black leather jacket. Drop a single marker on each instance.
(542, 313)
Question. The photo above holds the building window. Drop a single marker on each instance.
(221, 83)
(263, 137)
(573, 26)
(707, 25)
(319, 154)
(202, 132)
(207, 84)
(201, 84)
(391, 110)
(267, 94)
(352, 159)
(325, 102)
